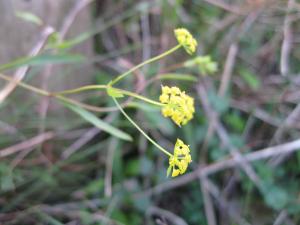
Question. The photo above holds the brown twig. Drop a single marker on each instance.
(227, 7)
(224, 205)
(222, 165)
(26, 144)
(288, 122)
(165, 214)
(208, 205)
(287, 40)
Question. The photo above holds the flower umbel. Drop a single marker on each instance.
(205, 64)
(178, 163)
(185, 39)
(178, 105)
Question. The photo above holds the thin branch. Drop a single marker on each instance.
(165, 214)
(287, 40)
(26, 144)
(69, 20)
(227, 73)
(208, 205)
(224, 205)
(222, 165)
(21, 72)
(230, 8)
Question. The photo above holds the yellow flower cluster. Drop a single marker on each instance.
(178, 105)
(185, 39)
(178, 163)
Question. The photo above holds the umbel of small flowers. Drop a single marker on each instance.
(205, 64)
(186, 40)
(180, 160)
(177, 105)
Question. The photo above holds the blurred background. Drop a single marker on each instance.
(57, 168)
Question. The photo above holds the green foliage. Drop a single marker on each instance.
(251, 80)
(86, 115)
(29, 17)
(44, 59)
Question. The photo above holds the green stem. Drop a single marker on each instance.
(121, 91)
(46, 93)
(80, 89)
(140, 129)
(140, 97)
(26, 86)
(144, 63)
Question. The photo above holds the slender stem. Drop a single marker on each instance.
(140, 129)
(140, 97)
(57, 96)
(144, 63)
(80, 89)
(26, 86)
(121, 91)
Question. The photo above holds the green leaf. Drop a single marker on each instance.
(235, 121)
(90, 117)
(29, 17)
(44, 60)
(94, 187)
(48, 219)
(142, 203)
(146, 166)
(132, 167)
(220, 104)
(113, 92)
(276, 197)
(177, 76)
(6, 178)
(252, 81)
(67, 44)
(169, 171)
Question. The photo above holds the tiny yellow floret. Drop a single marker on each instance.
(178, 105)
(185, 39)
(179, 161)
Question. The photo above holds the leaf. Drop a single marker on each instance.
(44, 60)
(146, 166)
(252, 81)
(220, 104)
(177, 76)
(169, 171)
(29, 17)
(132, 167)
(67, 44)
(90, 117)
(276, 197)
(235, 121)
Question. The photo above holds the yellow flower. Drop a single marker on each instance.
(185, 39)
(179, 161)
(178, 105)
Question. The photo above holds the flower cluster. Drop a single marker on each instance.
(178, 105)
(179, 162)
(205, 64)
(185, 39)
